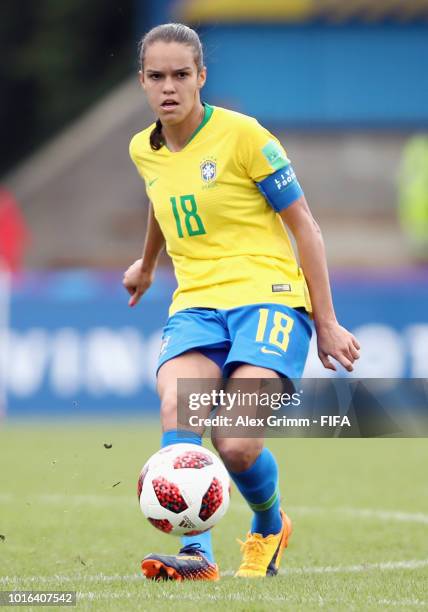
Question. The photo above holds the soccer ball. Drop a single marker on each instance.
(184, 489)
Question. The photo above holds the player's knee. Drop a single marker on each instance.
(169, 410)
(237, 455)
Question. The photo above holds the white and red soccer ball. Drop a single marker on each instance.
(184, 489)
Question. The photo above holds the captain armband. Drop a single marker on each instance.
(281, 188)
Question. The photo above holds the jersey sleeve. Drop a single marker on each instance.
(266, 163)
(133, 154)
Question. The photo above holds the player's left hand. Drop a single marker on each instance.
(337, 342)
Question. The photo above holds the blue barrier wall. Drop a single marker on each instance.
(321, 76)
(366, 70)
(75, 348)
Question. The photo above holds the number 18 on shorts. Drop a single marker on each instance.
(271, 336)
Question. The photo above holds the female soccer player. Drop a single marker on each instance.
(221, 189)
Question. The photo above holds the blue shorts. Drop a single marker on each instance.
(270, 336)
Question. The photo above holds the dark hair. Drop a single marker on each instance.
(169, 32)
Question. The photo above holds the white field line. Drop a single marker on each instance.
(350, 569)
(106, 500)
(239, 597)
(409, 564)
(399, 602)
(103, 578)
(369, 513)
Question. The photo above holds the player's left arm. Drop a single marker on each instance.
(267, 164)
(333, 339)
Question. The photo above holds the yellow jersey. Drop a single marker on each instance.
(228, 246)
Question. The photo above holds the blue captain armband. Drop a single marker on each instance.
(281, 188)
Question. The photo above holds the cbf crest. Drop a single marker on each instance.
(208, 171)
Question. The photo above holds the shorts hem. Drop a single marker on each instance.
(181, 351)
(283, 372)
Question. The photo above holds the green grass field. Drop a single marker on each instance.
(360, 512)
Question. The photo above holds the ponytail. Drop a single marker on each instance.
(156, 138)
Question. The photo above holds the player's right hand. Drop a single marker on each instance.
(136, 281)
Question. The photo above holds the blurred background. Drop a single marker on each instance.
(343, 85)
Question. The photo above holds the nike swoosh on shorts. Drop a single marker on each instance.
(266, 350)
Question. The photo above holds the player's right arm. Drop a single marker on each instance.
(139, 276)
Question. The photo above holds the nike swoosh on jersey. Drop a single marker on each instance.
(266, 350)
(153, 181)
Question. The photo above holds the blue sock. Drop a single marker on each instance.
(259, 487)
(177, 436)
(180, 436)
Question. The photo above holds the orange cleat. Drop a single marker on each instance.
(189, 564)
